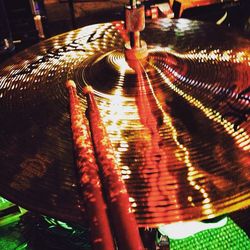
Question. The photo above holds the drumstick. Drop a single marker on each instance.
(123, 219)
(88, 172)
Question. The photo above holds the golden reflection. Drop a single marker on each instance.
(113, 110)
(179, 155)
(183, 154)
(212, 114)
(213, 55)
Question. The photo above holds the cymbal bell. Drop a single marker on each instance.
(179, 127)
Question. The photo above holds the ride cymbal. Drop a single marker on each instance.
(179, 127)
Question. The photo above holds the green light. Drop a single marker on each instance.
(4, 203)
(181, 230)
(228, 237)
(11, 238)
(9, 212)
(54, 222)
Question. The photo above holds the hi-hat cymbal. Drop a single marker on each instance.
(180, 128)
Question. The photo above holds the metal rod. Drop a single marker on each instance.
(135, 41)
(132, 3)
(72, 13)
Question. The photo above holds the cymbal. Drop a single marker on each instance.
(180, 129)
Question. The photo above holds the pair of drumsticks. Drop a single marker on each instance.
(100, 178)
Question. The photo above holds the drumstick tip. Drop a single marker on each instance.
(70, 84)
(87, 90)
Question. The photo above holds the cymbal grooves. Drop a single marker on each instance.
(180, 132)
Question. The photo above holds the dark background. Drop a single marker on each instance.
(59, 16)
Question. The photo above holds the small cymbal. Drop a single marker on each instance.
(180, 128)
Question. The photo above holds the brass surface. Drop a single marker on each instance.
(180, 128)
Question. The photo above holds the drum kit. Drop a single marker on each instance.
(178, 122)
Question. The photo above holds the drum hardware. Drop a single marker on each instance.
(177, 120)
